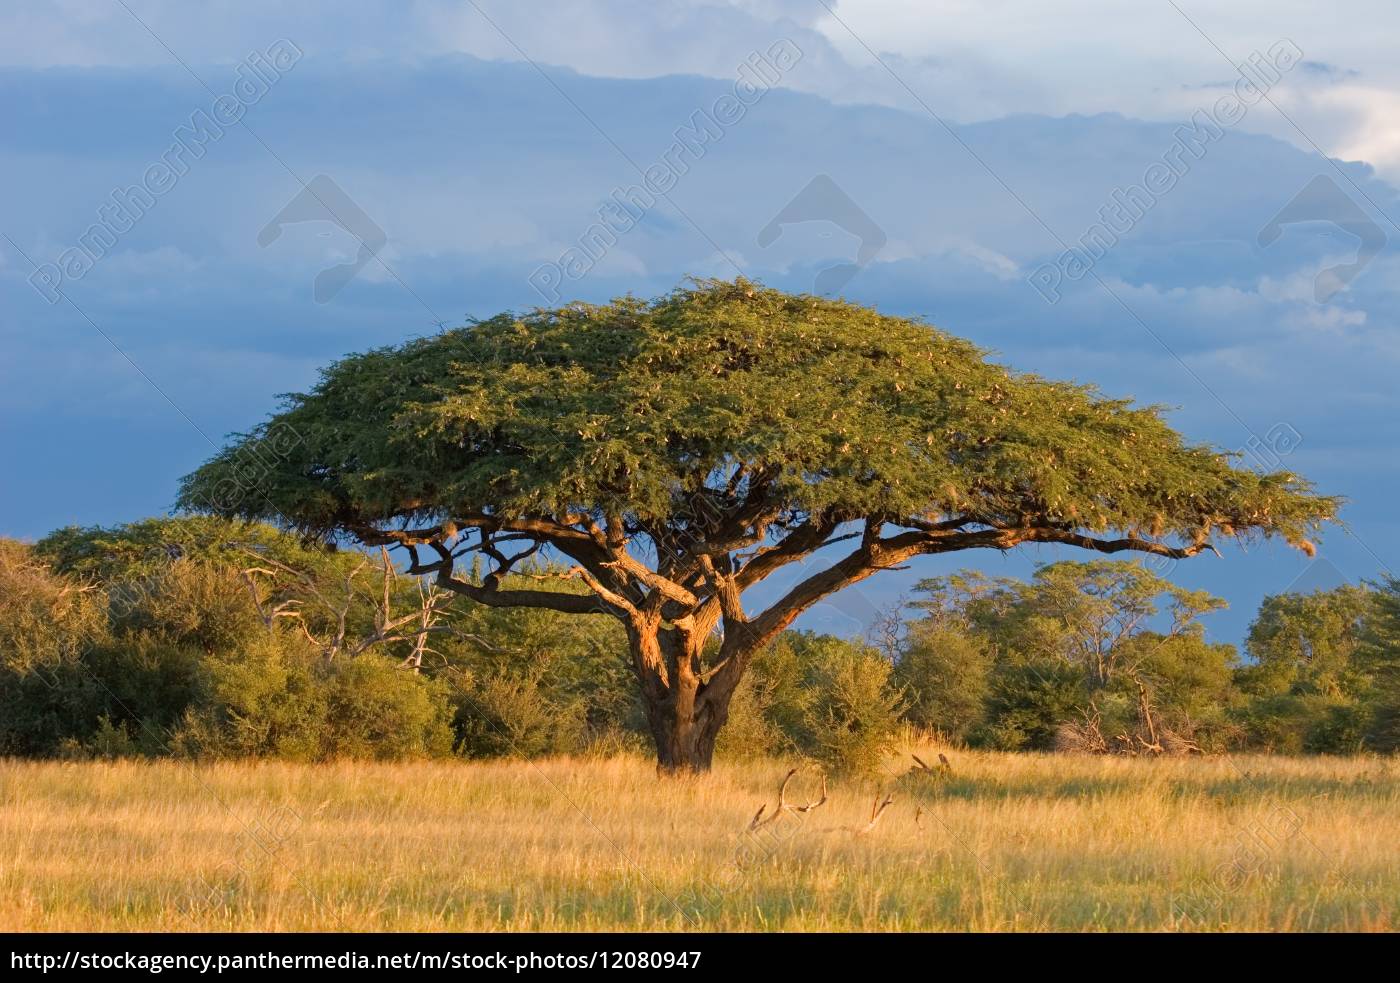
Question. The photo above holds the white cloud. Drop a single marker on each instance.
(967, 60)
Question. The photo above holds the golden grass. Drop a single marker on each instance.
(1008, 842)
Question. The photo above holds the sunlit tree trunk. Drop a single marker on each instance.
(683, 713)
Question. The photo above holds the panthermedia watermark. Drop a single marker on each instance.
(1322, 200)
(322, 200)
(1127, 207)
(823, 200)
(627, 206)
(125, 207)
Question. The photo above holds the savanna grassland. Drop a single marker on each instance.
(1003, 842)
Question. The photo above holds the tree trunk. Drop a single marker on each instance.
(683, 713)
(684, 729)
(685, 718)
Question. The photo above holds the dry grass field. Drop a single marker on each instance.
(1003, 843)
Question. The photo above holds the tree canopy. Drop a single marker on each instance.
(820, 406)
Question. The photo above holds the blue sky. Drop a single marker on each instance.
(941, 163)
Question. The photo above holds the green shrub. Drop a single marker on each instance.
(49, 625)
(1383, 730)
(110, 741)
(946, 677)
(506, 714)
(267, 699)
(186, 602)
(570, 666)
(1029, 702)
(148, 684)
(377, 710)
(852, 719)
(751, 730)
(278, 697)
(1340, 727)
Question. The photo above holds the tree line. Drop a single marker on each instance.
(210, 638)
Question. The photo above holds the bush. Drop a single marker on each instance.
(265, 700)
(186, 602)
(147, 685)
(751, 731)
(49, 625)
(1340, 727)
(1029, 701)
(278, 697)
(108, 742)
(1383, 730)
(852, 720)
(377, 710)
(506, 714)
(946, 677)
(536, 682)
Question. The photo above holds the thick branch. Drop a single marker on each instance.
(491, 594)
(1117, 545)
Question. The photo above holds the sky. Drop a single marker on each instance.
(1189, 206)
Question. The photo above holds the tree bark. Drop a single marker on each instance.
(684, 732)
(683, 714)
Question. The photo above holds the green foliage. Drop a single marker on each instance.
(770, 708)
(48, 624)
(851, 717)
(1294, 723)
(45, 618)
(1070, 646)
(1191, 684)
(946, 675)
(816, 696)
(1084, 614)
(849, 411)
(200, 579)
(266, 699)
(508, 715)
(127, 552)
(279, 698)
(751, 731)
(1069, 650)
(145, 639)
(108, 741)
(1308, 643)
(377, 709)
(572, 669)
(191, 602)
(1319, 671)
(1379, 655)
(1029, 701)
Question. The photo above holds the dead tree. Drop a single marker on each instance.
(1153, 744)
(784, 806)
(877, 809)
(920, 767)
(415, 626)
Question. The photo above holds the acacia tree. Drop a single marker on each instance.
(676, 452)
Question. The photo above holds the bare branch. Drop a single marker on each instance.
(785, 807)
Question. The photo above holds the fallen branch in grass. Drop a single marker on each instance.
(760, 819)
